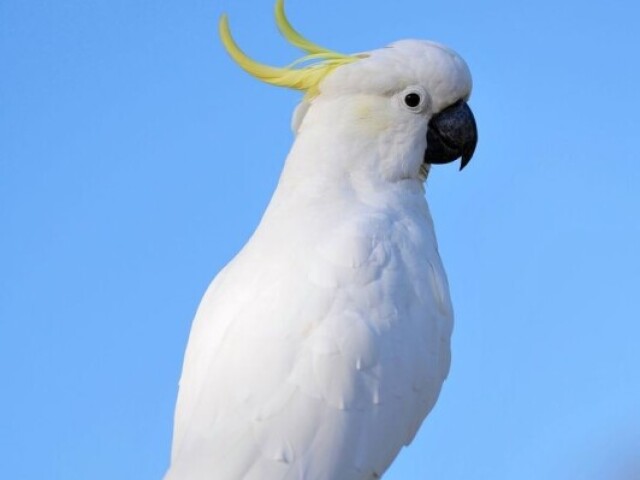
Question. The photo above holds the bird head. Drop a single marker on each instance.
(406, 102)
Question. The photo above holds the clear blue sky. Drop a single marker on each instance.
(136, 159)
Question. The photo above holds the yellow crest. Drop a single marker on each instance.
(319, 60)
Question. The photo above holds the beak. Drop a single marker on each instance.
(452, 134)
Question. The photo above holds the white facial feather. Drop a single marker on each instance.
(359, 110)
(441, 71)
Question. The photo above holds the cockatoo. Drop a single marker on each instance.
(317, 352)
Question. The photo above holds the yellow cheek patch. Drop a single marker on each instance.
(372, 117)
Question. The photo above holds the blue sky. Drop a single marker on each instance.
(136, 159)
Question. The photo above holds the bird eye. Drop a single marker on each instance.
(412, 100)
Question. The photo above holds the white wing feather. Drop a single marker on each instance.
(316, 356)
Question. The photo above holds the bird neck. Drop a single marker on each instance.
(351, 143)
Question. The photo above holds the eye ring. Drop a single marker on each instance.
(415, 99)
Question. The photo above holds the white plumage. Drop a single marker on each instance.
(317, 352)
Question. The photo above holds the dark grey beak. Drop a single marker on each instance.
(452, 134)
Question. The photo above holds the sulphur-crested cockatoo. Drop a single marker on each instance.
(319, 350)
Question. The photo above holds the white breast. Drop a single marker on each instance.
(319, 350)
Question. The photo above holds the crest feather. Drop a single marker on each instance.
(316, 65)
(292, 35)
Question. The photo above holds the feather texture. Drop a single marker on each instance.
(318, 351)
(330, 385)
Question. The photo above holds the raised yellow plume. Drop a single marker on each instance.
(292, 35)
(318, 63)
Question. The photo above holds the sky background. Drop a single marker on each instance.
(136, 160)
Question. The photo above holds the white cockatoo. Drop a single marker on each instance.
(317, 352)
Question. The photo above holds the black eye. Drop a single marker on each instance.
(412, 100)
